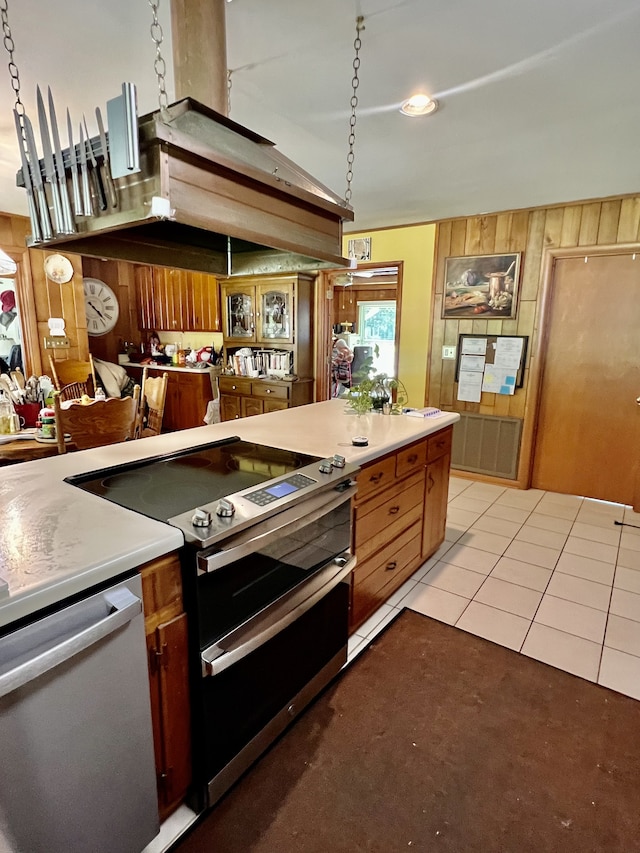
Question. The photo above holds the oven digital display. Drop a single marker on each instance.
(281, 489)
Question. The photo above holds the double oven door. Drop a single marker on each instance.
(272, 608)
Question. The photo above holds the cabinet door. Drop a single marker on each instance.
(203, 303)
(143, 278)
(168, 286)
(238, 313)
(275, 312)
(229, 407)
(250, 406)
(171, 661)
(435, 505)
(275, 405)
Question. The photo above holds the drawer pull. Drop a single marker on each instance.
(236, 416)
(432, 483)
(412, 459)
(375, 478)
(234, 387)
(391, 566)
(394, 510)
(269, 390)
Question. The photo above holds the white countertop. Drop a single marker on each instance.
(56, 540)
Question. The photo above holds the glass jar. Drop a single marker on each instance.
(6, 411)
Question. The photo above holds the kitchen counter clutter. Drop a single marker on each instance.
(57, 541)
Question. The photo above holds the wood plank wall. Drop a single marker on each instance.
(604, 222)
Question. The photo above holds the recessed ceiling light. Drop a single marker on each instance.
(419, 105)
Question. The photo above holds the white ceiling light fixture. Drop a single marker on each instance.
(419, 105)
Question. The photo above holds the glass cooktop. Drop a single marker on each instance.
(165, 486)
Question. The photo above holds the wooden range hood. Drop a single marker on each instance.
(215, 197)
(212, 195)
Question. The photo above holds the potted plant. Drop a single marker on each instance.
(373, 390)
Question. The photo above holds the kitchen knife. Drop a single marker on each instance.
(113, 193)
(31, 202)
(96, 177)
(49, 167)
(77, 198)
(36, 175)
(67, 216)
(87, 201)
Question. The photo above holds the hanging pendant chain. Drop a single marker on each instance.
(10, 47)
(355, 82)
(159, 65)
(229, 72)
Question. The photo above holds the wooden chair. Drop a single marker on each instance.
(152, 399)
(97, 423)
(73, 378)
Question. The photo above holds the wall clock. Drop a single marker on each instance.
(101, 306)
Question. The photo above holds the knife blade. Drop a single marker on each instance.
(67, 216)
(87, 201)
(113, 193)
(36, 175)
(75, 183)
(95, 171)
(49, 167)
(31, 202)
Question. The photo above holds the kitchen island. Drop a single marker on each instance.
(57, 541)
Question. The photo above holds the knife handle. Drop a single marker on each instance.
(77, 198)
(102, 196)
(33, 216)
(45, 219)
(67, 216)
(111, 187)
(87, 203)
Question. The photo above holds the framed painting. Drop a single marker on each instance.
(481, 286)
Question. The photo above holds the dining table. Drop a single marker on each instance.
(23, 447)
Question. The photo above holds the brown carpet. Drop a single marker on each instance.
(436, 740)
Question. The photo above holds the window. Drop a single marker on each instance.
(377, 327)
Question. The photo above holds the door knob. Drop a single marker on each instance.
(638, 400)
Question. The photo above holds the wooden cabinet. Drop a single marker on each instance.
(270, 313)
(177, 300)
(399, 519)
(241, 397)
(166, 634)
(188, 393)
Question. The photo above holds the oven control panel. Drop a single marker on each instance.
(292, 484)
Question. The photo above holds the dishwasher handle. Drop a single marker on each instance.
(122, 606)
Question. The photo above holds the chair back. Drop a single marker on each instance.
(73, 378)
(152, 400)
(97, 423)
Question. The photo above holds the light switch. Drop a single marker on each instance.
(448, 352)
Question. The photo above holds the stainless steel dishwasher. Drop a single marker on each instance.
(78, 770)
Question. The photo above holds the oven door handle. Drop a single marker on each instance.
(286, 522)
(247, 639)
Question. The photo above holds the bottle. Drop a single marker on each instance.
(99, 394)
(6, 410)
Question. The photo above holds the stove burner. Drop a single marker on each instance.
(126, 480)
(189, 462)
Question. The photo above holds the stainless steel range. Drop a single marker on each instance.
(266, 570)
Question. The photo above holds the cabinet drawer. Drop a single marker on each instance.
(411, 458)
(385, 573)
(375, 477)
(375, 529)
(266, 391)
(439, 444)
(234, 385)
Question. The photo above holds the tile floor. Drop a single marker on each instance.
(550, 576)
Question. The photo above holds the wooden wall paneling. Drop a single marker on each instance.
(553, 226)
(570, 231)
(609, 219)
(503, 232)
(473, 242)
(434, 357)
(458, 238)
(589, 224)
(629, 224)
(519, 230)
(530, 270)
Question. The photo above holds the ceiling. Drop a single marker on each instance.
(538, 101)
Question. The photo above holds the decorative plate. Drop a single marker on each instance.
(58, 268)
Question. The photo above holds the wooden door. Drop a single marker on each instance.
(588, 429)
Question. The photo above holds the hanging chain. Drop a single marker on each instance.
(10, 47)
(159, 65)
(355, 82)
(229, 73)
